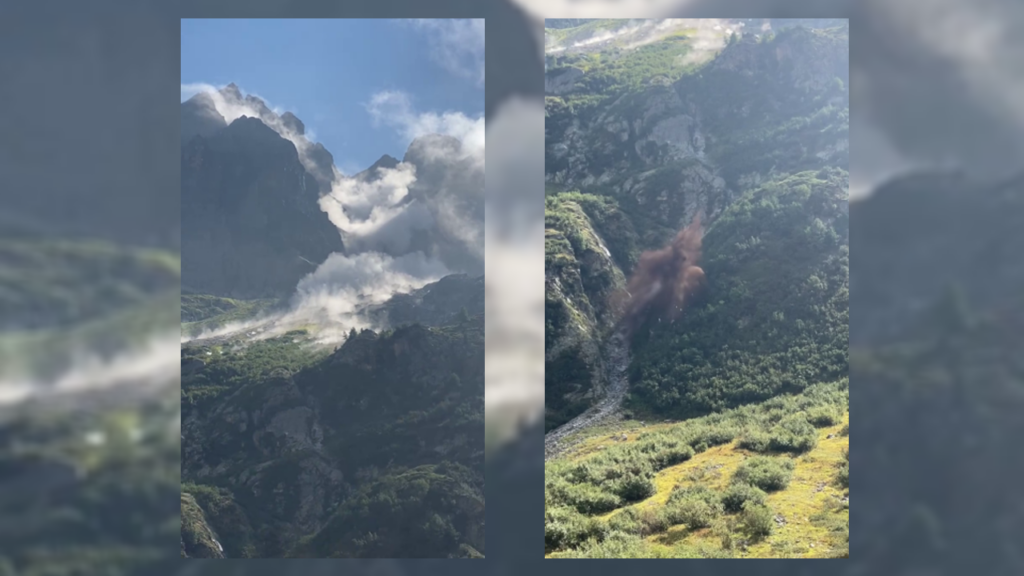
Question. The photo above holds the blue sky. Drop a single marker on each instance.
(327, 72)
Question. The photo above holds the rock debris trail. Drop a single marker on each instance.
(617, 357)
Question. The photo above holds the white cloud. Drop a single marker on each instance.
(395, 109)
(457, 45)
(372, 214)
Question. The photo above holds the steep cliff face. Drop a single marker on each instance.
(198, 540)
(582, 276)
(252, 223)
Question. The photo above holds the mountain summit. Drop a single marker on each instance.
(248, 200)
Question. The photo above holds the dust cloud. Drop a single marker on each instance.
(664, 281)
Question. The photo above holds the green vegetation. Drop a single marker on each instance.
(51, 284)
(208, 372)
(612, 73)
(768, 474)
(794, 101)
(639, 141)
(374, 449)
(776, 315)
(204, 312)
(218, 510)
(738, 494)
(410, 514)
(636, 481)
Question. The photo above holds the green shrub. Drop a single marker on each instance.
(713, 436)
(633, 488)
(642, 522)
(793, 434)
(755, 440)
(566, 528)
(694, 513)
(765, 472)
(695, 506)
(580, 473)
(822, 416)
(591, 500)
(756, 520)
(845, 430)
(844, 471)
(616, 545)
(626, 521)
(670, 456)
(739, 494)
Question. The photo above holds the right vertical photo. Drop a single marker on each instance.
(697, 288)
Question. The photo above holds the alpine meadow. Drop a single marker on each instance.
(697, 288)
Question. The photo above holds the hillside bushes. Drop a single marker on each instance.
(774, 317)
(764, 472)
(624, 473)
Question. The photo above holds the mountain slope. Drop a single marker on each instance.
(384, 410)
(657, 139)
(751, 136)
(775, 316)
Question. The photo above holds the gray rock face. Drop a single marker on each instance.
(250, 212)
(561, 81)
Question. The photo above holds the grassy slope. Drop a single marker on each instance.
(798, 503)
(201, 312)
(812, 516)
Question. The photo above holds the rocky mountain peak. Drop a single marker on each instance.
(293, 123)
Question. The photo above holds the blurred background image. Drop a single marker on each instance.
(90, 272)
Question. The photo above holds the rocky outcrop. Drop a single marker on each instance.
(561, 80)
(253, 225)
(580, 285)
(198, 539)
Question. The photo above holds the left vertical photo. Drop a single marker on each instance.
(332, 289)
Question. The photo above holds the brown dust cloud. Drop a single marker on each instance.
(664, 281)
